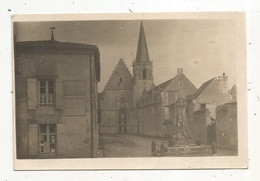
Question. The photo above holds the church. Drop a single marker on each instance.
(133, 104)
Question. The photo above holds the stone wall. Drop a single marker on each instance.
(110, 105)
(182, 86)
(156, 117)
(199, 125)
(73, 119)
(226, 123)
(150, 120)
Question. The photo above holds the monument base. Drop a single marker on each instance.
(182, 149)
(188, 150)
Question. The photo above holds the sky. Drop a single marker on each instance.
(203, 48)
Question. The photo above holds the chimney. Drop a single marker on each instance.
(179, 71)
(223, 83)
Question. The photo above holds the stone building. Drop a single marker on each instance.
(201, 107)
(156, 111)
(212, 93)
(56, 99)
(116, 101)
(133, 104)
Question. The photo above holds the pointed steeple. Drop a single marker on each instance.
(142, 54)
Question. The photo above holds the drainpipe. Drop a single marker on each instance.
(91, 109)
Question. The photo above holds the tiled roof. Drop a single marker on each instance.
(54, 47)
(202, 88)
(158, 88)
(163, 85)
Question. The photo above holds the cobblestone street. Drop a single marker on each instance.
(127, 145)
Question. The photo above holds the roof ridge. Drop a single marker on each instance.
(166, 81)
(111, 74)
(160, 85)
(190, 81)
(54, 41)
(203, 87)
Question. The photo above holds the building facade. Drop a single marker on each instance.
(116, 102)
(133, 104)
(157, 108)
(56, 99)
(202, 106)
(212, 93)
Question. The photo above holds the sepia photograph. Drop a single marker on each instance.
(134, 87)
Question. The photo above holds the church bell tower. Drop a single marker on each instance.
(142, 68)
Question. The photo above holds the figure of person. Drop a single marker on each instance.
(213, 135)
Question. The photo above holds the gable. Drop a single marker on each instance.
(211, 93)
(171, 89)
(121, 78)
(202, 88)
(182, 85)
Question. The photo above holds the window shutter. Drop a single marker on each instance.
(32, 93)
(59, 94)
(33, 139)
(61, 139)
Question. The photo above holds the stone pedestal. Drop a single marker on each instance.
(183, 148)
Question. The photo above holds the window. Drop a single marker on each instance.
(46, 92)
(181, 83)
(120, 81)
(47, 138)
(202, 106)
(144, 74)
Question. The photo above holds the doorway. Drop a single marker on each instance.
(122, 121)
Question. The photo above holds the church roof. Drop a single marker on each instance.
(163, 85)
(142, 55)
(202, 88)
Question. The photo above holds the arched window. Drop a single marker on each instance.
(144, 74)
(121, 80)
